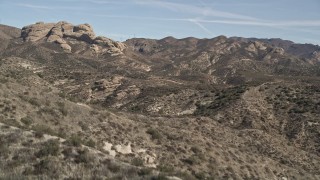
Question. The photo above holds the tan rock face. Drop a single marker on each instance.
(62, 31)
(251, 48)
(260, 45)
(278, 50)
(66, 47)
(36, 31)
(114, 47)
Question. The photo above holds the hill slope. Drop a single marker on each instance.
(146, 109)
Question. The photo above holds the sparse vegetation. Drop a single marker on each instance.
(221, 100)
(51, 147)
(137, 161)
(40, 130)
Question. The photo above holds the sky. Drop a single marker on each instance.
(296, 20)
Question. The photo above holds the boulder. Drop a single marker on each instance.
(35, 32)
(66, 47)
(79, 36)
(53, 38)
(83, 28)
(251, 48)
(114, 47)
(278, 50)
(61, 41)
(66, 27)
(260, 45)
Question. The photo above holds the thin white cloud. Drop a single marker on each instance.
(302, 23)
(140, 17)
(195, 10)
(201, 26)
(113, 2)
(33, 6)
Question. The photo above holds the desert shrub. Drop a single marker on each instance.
(84, 156)
(83, 126)
(62, 95)
(48, 110)
(74, 140)
(159, 177)
(40, 75)
(145, 171)
(34, 101)
(136, 108)
(43, 167)
(155, 134)
(51, 147)
(62, 133)
(11, 122)
(26, 120)
(90, 142)
(112, 166)
(166, 168)
(3, 80)
(62, 108)
(192, 160)
(137, 161)
(195, 149)
(4, 150)
(40, 130)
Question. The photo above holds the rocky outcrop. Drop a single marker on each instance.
(255, 46)
(66, 47)
(63, 31)
(278, 50)
(113, 46)
(37, 31)
(82, 32)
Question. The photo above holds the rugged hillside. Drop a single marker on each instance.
(156, 109)
(7, 33)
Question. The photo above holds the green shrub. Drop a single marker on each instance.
(137, 161)
(51, 147)
(145, 171)
(84, 157)
(62, 108)
(74, 140)
(112, 166)
(26, 120)
(155, 134)
(40, 130)
(34, 102)
(42, 167)
(90, 142)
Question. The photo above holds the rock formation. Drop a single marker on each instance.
(63, 31)
(37, 31)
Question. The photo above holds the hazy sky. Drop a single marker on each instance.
(297, 20)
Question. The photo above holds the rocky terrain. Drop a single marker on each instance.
(79, 106)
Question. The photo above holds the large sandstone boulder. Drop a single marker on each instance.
(278, 50)
(36, 31)
(260, 46)
(63, 31)
(66, 47)
(113, 47)
(251, 48)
